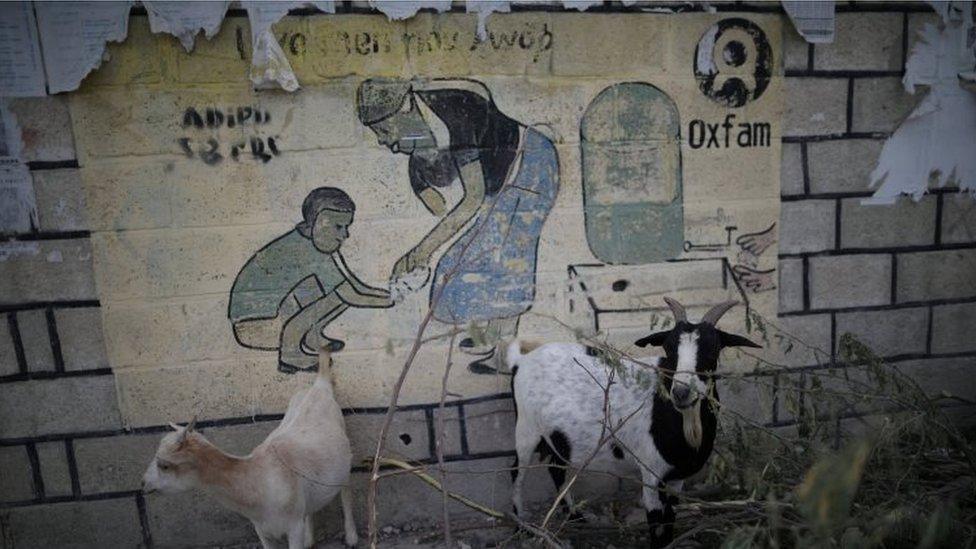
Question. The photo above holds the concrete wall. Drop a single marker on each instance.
(899, 277)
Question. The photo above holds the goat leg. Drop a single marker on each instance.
(660, 523)
(349, 522)
(265, 541)
(296, 535)
(660, 510)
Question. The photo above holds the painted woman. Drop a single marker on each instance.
(508, 175)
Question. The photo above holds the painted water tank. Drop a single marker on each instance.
(632, 195)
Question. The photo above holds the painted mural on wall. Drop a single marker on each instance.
(543, 182)
(631, 153)
(508, 174)
(290, 290)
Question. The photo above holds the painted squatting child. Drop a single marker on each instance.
(292, 288)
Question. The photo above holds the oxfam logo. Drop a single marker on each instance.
(733, 62)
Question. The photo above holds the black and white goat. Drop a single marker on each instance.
(668, 435)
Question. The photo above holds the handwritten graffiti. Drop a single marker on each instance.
(726, 134)
(366, 43)
(530, 38)
(211, 150)
(231, 118)
(295, 42)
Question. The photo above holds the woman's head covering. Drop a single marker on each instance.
(380, 98)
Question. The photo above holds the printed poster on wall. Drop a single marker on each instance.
(557, 178)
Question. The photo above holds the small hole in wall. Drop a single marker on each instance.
(620, 285)
(406, 439)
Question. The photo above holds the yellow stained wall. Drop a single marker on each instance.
(170, 232)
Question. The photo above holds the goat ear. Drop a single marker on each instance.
(174, 426)
(732, 340)
(656, 339)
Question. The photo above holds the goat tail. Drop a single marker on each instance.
(513, 353)
(517, 349)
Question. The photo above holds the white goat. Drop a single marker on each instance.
(296, 471)
(560, 399)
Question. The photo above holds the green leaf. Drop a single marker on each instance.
(829, 487)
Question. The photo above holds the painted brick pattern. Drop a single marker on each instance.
(898, 277)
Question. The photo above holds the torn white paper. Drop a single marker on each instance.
(484, 8)
(813, 19)
(21, 69)
(185, 19)
(73, 35)
(581, 5)
(405, 9)
(18, 208)
(11, 144)
(938, 138)
(950, 10)
(12, 249)
(269, 65)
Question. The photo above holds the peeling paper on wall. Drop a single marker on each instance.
(10, 250)
(21, 68)
(813, 19)
(185, 19)
(18, 207)
(947, 9)
(938, 139)
(485, 8)
(405, 9)
(269, 65)
(73, 38)
(581, 5)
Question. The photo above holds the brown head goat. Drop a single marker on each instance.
(563, 410)
(296, 471)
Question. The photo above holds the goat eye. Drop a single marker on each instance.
(163, 466)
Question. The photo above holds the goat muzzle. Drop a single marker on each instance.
(682, 396)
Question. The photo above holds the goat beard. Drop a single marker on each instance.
(691, 424)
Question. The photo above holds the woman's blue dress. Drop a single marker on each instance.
(489, 272)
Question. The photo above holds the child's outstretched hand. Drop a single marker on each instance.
(410, 262)
(403, 285)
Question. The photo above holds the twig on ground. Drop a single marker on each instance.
(448, 542)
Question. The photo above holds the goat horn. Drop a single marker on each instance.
(677, 310)
(715, 313)
(191, 425)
